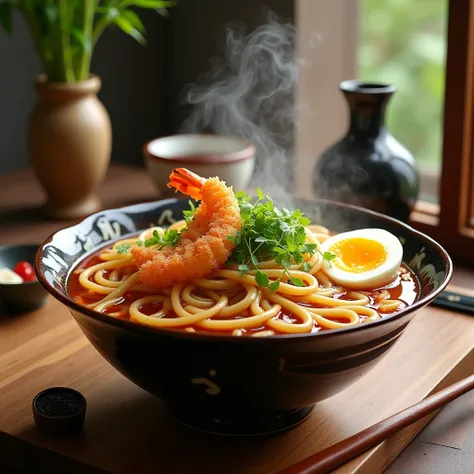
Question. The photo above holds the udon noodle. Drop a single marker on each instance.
(228, 302)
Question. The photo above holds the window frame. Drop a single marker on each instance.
(448, 222)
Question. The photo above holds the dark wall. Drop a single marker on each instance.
(18, 68)
(141, 85)
(132, 86)
(205, 21)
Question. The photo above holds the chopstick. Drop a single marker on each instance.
(328, 459)
(455, 300)
(342, 452)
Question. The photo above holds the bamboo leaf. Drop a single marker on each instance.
(109, 12)
(47, 18)
(134, 19)
(6, 17)
(127, 27)
(51, 14)
(81, 39)
(151, 3)
(160, 6)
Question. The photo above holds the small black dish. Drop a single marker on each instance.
(59, 411)
(22, 297)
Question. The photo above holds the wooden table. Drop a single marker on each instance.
(126, 429)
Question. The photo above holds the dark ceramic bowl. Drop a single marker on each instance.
(23, 297)
(228, 384)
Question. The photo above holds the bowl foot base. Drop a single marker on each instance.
(243, 426)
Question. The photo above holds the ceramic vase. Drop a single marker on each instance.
(368, 166)
(69, 140)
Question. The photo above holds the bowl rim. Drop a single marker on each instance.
(208, 336)
(247, 151)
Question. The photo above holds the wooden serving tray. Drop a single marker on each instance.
(127, 431)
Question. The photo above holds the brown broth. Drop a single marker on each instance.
(404, 288)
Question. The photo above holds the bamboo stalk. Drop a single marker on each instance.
(87, 19)
(67, 72)
(99, 28)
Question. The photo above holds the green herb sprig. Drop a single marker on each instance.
(271, 233)
(157, 240)
(267, 233)
(189, 213)
(170, 237)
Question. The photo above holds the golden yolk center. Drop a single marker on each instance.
(358, 254)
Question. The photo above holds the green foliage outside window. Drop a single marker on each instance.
(403, 42)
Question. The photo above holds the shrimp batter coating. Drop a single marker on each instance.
(204, 246)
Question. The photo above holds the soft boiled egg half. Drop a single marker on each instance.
(364, 259)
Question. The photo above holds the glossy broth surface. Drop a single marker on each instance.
(404, 288)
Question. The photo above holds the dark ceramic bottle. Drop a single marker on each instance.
(368, 166)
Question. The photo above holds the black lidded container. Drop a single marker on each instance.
(59, 411)
(368, 166)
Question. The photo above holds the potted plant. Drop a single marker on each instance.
(69, 132)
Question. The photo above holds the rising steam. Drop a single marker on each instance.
(249, 92)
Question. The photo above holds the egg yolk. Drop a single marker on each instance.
(358, 255)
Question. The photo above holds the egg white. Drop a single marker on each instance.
(377, 277)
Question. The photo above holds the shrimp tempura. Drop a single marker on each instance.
(204, 246)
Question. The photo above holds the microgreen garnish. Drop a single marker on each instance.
(189, 214)
(328, 256)
(271, 233)
(168, 237)
(123, 248)
(267, 233)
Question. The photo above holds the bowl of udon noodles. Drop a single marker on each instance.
(241, 313)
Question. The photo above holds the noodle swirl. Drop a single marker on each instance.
(228, 301)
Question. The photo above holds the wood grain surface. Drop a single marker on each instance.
(127, 431)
